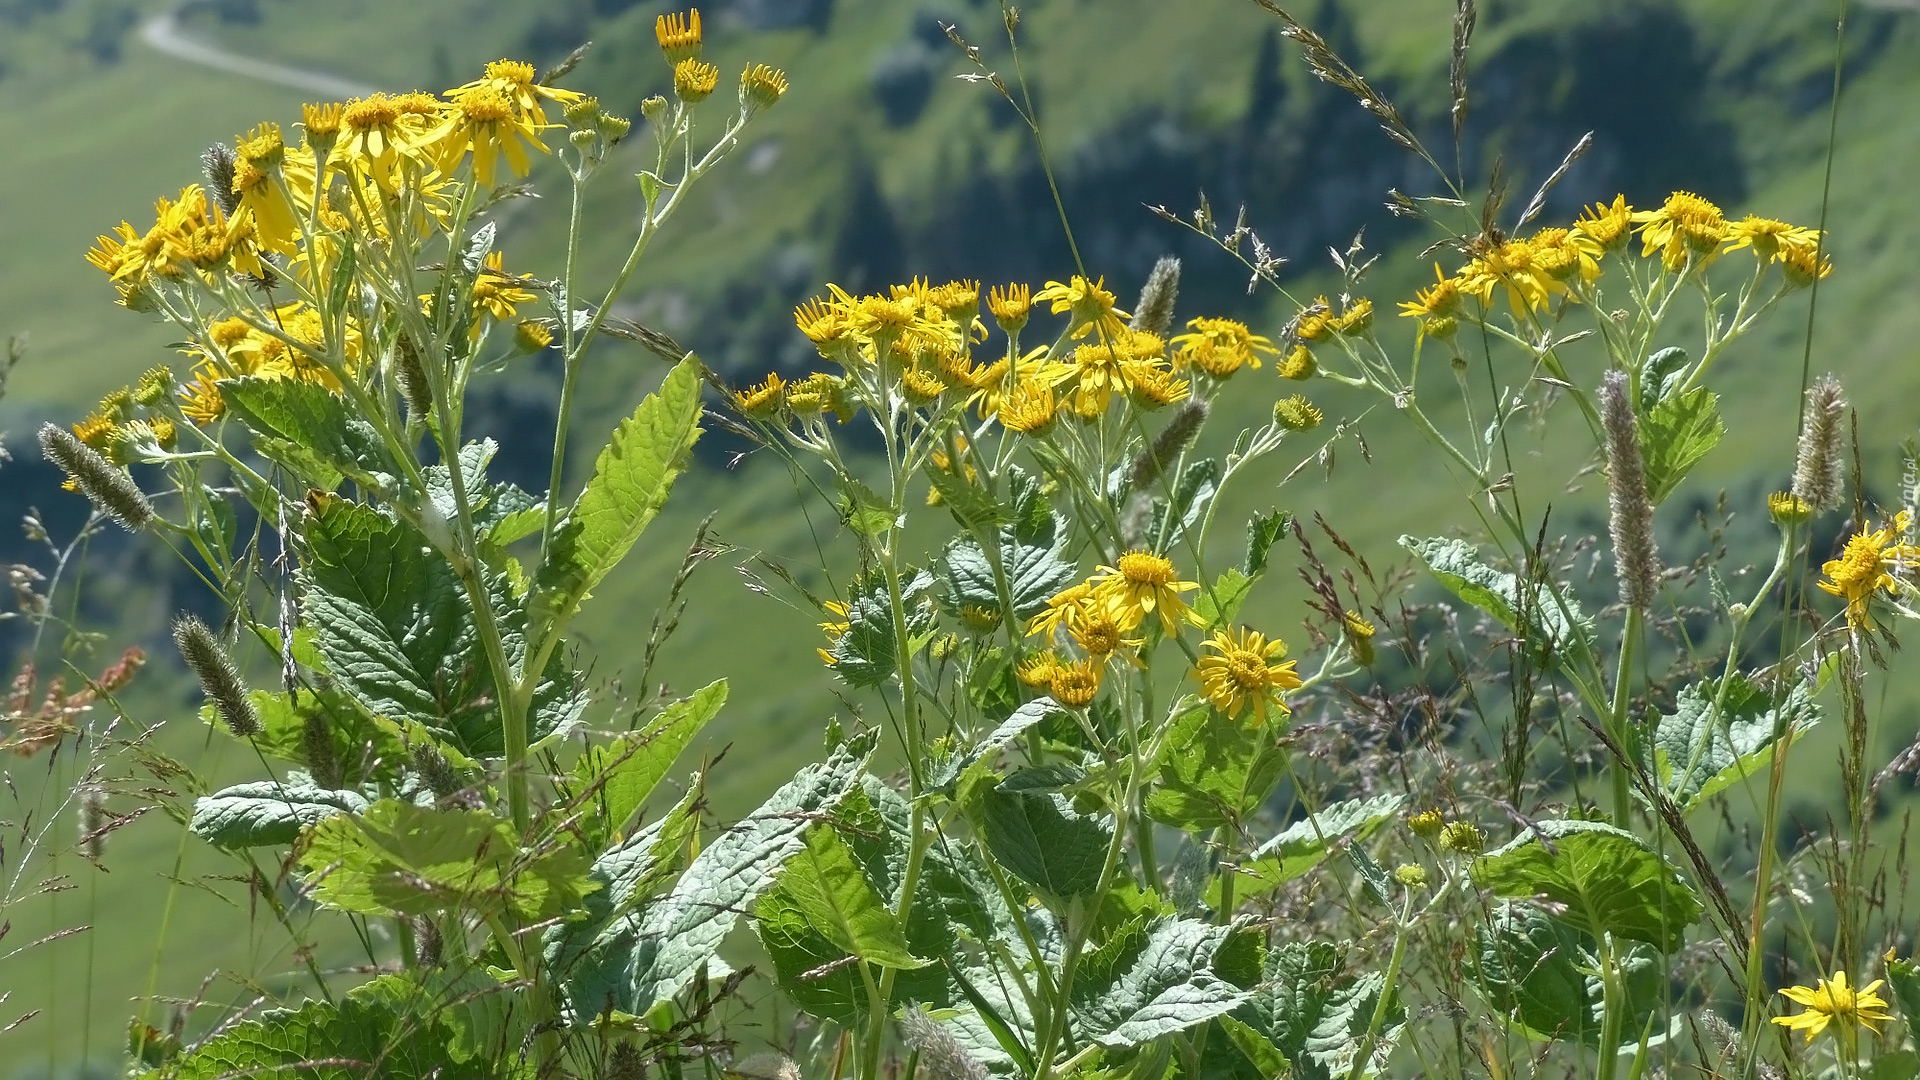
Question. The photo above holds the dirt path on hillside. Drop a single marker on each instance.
(162, 33)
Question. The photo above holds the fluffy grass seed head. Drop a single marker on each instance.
(106, 486)
(1245, 669)
(1629, 510)
(1154, 312)
(1831, 1001)
(219, 679)
(1819, 462)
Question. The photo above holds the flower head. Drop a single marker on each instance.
(1296, 413)
(1684, 223)
(761, 86)
(1831, 1000)
(1246, 671)
(1028, 408)
(1075, 683)
(1771, 239)
(1436, 306)
(1220, 347)
(1141, 585)
(1869, 563)
(694, 80)
(1607, 225)
(760, 402)
(1009, 305)
(1091, 304)
(678, 35)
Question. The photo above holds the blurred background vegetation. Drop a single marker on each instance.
(879, 166)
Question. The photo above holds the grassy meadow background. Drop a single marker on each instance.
(878, 166)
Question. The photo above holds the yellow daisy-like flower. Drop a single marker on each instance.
(1141, 585)
(835, 628)
(1315, 321)
(1356, 320)
(1684, 219)
(1245, 672)
(1037, 670)
(694, 80)
(1359, 633)
(1091, 304)
(678, 35)
(1770, 239)
(1009, 305)
(1059, 607)
(1220, 347)
(1098, 634)
(1802, 266)
(1786, 508)
(1563, 254)
(1028, 408)
(921, 386)
(1870, 563)
(760, 402)
(96, 430)
(1437, 307)
(497, 292)
(200, 399)
(1607, 225)
(485, 121)
(320, 123)
(1298, 364)
(761, 86)
(1832, 1000)
(375, 141)
(1515, 265)
(513, 80)
(1075, 684)
(1296, 413)
(1151, 385)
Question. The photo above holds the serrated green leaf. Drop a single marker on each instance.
(1305, 844)
(1220, 605)
(681, 932)
(1214, 770)
(864, 511)
(1030, 549)
(1263, 531)
(624, 771)
(1165, 986)
(1542, 975)
(1898, 1065)
(1607, 879)
(476, 1014)
(1045, 842)
(411, 860)
(1661, 377)
(1675, 435)
(1553, 625)
(631, 479)
(1317, 1016)
(268, 812)
(863, 657)
(292, 412)
(350, 1040)
(1695, 755)
(830, 889)
(1023, 719)
(1256, 1049)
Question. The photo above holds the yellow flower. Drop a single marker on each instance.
(761, 86)
(1869, 563)
(1771, 239)
(1298, 364)
(1436, 306)
(1296, 413)
(1220, 347)
(1151, 384)
(1095, 630)
(1315, 321)
(760, 402)
(1028, 408)
(920, 386)
(1356, 320)
(530, 336)
(1037, 670)
(1074, 684)
(1427, 824)
(835, 628)
(375, 141)
(1563, 254)
(1516, 265)
(496, 293)
(1684, 220)
(1802, 266)
(678, 35)
(485, 121)
(320, 124)
(513, 80)
(1831, 1000)
(959, 299)
(1141, 585)
(1009, 306)
(1607, 225)
(1359, 634)
(1091, 304)
(1059, 607)
(96, 430)
(200, 399)
(694, 80)
(1244, 673)
(1786, 508)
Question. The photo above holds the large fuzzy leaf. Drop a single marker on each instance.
(268, 812)
(1550, 621)
(1305, 844)
(355, 1039)
(310, 430)
(1605, 880)
(1696, 752)
(1165, 986)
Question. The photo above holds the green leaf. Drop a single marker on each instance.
(1681, 430)
(864, 511)
(269, 812)
(363, 749)
(1165, 986)
(1220, 605)
(1542, 974)
(411, 860)
(1305, 844)
(591, 955)
(1661, 377)
(1024, 718)
(1030, 546)
(864, 656)
(1551, 623)
(1215, 771)
(1191, 496)
(625, 770)
(1903, 976)
(1263, 531)
(342, 285)
(631, 479)
(1696, 756)
(1258, 1050)
(1899, 1065)
(1316, 1016)
(477, 1015)
(1607, 880)
(351, 1040)
(829, 888)
(290, 412)
(1045, 842)
(681, 932)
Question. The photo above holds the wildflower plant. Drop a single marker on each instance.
(1089, 811)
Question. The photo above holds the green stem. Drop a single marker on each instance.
(1617, 725)
(1387, 990)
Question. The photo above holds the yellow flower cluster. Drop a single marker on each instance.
(1872, 561)
(1686, 231)
(1097, 616)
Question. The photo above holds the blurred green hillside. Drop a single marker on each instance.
(878, 166)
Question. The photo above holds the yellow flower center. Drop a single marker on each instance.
(485, 106)
(366, 114)
(517, 72)
(1143, 568)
